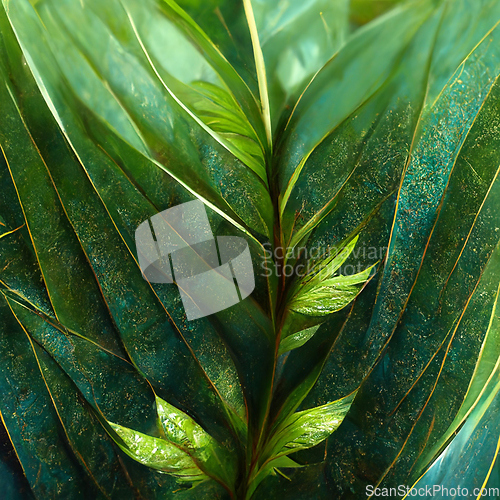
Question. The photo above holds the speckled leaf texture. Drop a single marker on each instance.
(354, 145)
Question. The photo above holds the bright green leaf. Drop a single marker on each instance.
(297, 339)
(158, 454)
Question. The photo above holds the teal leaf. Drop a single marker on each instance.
(481, 386)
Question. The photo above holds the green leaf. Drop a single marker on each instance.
(299, 431)
(186, 451)
(158, 454)
(270, 468)
(340, 371)
(376, 49)
(11, 473)
(318, 294)
(331, 295)
(261, 70)
(245, 98)
(182, 430)
(76, 189)
(86, 438)
(58, 257)
(9, 232)
(465, 32)
(183, 81)
(185, 433)
(324, 367)
(116, 111)
(224, 21)
(74, 354)
(297, 39)
(305, 429)
(424, 307)
(327, 268)
(364, 11)
(166, 133)
(297, 339)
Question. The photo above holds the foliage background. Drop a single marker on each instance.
(395, 139)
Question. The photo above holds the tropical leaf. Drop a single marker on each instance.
(361, 172)
(299, 431)
(297, 339)
(416, 358)
(13, 479)
(473, 434)
(296, 39)
(158, 454)
(179, 144)
(185, 451)
(320, 294)
(308, 428)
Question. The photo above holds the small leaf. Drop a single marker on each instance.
(308, 428)
(331, 295)
(218, 110)
(329, 266)
(182, 431)
(158, 454)
(299, 431)
(297, 339)
(325, 269)
(271, 468)
(187, 451)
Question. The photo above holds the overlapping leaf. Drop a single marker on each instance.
(133, 109)
(461, 229)
(474, 432)
(154, 121)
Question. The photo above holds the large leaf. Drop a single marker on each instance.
(296, 39)
(338, 82)
(33, 424)
(91, 367)
(169, 136)
(13, 480)
(487, 363)
(460, 237)
(474, 447)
